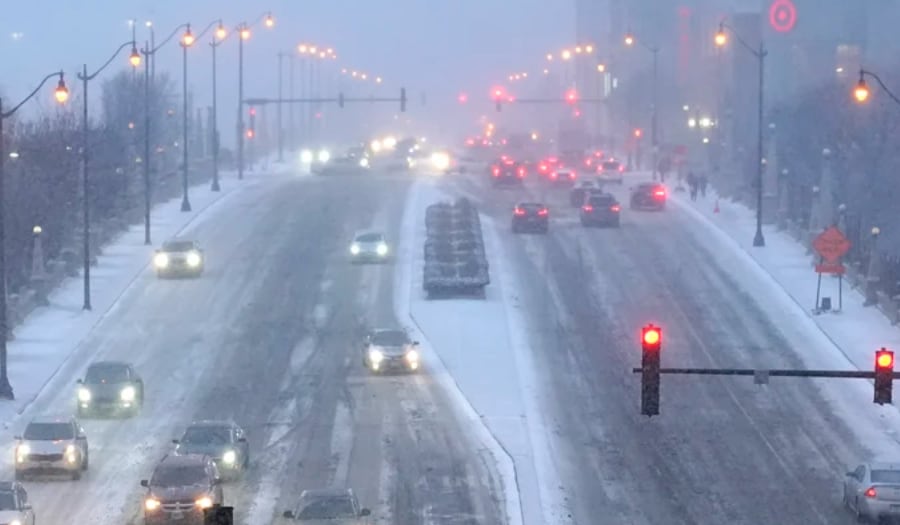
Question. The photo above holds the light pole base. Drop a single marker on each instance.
(6, 390)
(215, 186)
(185, 204)
(758, 239)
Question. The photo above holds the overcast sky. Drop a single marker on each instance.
(437, 46)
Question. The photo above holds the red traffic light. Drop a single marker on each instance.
(252, 112)
(463, 98)
(638, 132)
(571, 96)
(651, 335)
(884, 359)
(498, 92)
(250, 133)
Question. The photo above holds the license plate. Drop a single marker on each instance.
(178, 515)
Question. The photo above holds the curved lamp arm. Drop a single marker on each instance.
(108, 62)
(31, 95)
(167, 39)
(864, 73)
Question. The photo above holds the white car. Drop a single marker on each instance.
(14, 505)
(179, 258)
(52, 445)
(872, 490)
(369, 247)
(390, 350)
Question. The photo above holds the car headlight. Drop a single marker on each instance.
(382, 249)
(205, 502)
(229, 457)
(412, 356)
(354, 249)
(84, 395)
(306, 156)
(161, 260)
(324, 156)
(15, 522)
(364, 162)
(70, 449)
(71, 456)
(193, 259)
(376, 356)
(151, 504)
(440, 161)
(127, 394)
(22, 452)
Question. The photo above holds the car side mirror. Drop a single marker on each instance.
(145, 483)
(365, 512)
(175, 442)
(287, 515)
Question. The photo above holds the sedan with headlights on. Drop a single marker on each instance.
(179, 258)
(390, 350)
(224, 441)
(369, 247)
(110, 387)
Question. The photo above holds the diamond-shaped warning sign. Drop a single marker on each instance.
(831, 244)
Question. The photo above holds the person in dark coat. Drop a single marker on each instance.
(703, 182)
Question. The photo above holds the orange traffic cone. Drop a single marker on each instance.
(716, 209)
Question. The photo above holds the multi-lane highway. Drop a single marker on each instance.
(271, 336)
(724, 450)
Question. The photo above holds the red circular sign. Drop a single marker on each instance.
(782, 15)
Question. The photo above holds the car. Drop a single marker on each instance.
(563, 177)
(14, 506)
(181, 488)
(547, 166)
(179, 258)
(648, 196)
(333, 506)
(508, 172)
(582, 190)
(600, 209)
(110, 387)
(530, 217)
(390, 349)
(52, 445)
(224, 441)
(872, 490)
(611, 171)
(369, 247)
(352, 163)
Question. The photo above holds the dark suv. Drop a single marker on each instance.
(648, 196)
(600, 209)
(181, 488)
(508, 171)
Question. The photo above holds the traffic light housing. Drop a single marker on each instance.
(498, 93)
(402, 100)
(341, 100)
(884, 376)
(651, 343)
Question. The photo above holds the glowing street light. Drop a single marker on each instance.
(566, 54)
(629, 39)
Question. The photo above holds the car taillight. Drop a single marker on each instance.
(496, 171)
(519, 211)
(621, 168)
(615, 208)
(521, 172)
(543, 212)
(587, 162)
(871, 493)
(542, 167)
(659, 193)
(554, 175)
(572, 175)
(588, 208)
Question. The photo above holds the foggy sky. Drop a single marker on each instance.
(437, 46)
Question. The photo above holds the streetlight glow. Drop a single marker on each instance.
(566, 54)
(221, 33)
(721, 38)
(62, 92)
(302, 49)
(589, 48)
(134, 58)
(378, 80)
(245, 33)
(601, 68)
(550, 57)
(861, 92)
(629, 39)
(187, 40)
(270, 20)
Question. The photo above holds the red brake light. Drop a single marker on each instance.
(519, 211)
(659, 193)
(621, 167)
(554, 175)
(542, 212)
(496, 171)
(508, 161)
(588, 208)
(614, 207)
(571, 174)
(870, 492)
(521, 172)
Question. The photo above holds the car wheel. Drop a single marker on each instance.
(87, 461)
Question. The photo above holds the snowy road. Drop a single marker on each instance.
(271, 336)
(723, 450)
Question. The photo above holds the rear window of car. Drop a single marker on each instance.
(369, 237)
(602, 200)
(531, 206)
(886, 476)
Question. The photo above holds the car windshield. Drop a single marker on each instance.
(369, 237)
(886, 476)
(178, 246)
(389, 338)
(206, 435)
(49, 431)
(328, 508)
(106, 374)
(179, 476)
(7, 500)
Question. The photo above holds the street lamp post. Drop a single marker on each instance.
(654, 116)
(244, 30)
(187, 40)
(720, 40)
(149, 52)
(61, 94)
(278, 116)
(861, 91)
(135, 59)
